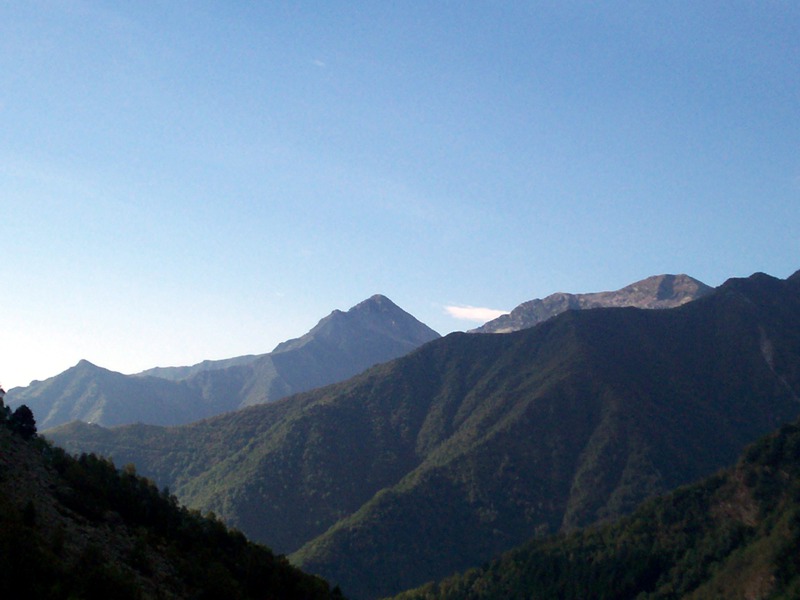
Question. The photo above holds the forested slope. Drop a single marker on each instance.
(467, 447)
(80, 528)
(736, 535)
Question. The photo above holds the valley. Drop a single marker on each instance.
(468, 446)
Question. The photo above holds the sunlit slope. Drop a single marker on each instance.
(657, 292)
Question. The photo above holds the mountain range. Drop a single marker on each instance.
(658, 291)
(339, 346)
(472, 444)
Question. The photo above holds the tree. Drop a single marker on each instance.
(5, 412)
(23, 423)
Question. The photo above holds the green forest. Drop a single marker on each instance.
(81, 528)
(735, 535)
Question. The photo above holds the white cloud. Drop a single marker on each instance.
(474, 313)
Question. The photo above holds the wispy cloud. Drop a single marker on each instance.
(474, 313)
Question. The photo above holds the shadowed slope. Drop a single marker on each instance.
(735, 535)
(468, 446)
(79, 528)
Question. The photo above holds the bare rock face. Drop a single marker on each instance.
(658, 291)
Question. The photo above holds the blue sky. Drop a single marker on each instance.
(191, 180)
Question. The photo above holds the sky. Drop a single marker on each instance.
(189, 180)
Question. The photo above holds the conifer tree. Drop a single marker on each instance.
(23, 423)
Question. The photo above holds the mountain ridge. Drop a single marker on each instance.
(655, 292)
(459, 450)
(341, 345)
(184, 372)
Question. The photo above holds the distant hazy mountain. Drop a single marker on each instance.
(659, 291)
(90, 393)
(178, 373)
(472, 444)
(339, 346)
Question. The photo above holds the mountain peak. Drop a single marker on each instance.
(657, 291)
(85, 364)
(379, 299)
(377, 317)
(375, 302)
(87, 368)
(756, 281)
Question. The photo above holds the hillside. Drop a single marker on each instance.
(735, 536)
(79, 528)
(447, 457)
(658, 291)
(339, 346)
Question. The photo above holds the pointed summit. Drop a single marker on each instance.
(377, 316)
(85, 365)
(377, 303)
(376, 300)
(341, 345)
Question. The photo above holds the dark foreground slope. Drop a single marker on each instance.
(447, 457)
(736, 535)
(78, 528)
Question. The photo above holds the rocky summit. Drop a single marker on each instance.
(658, 291)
